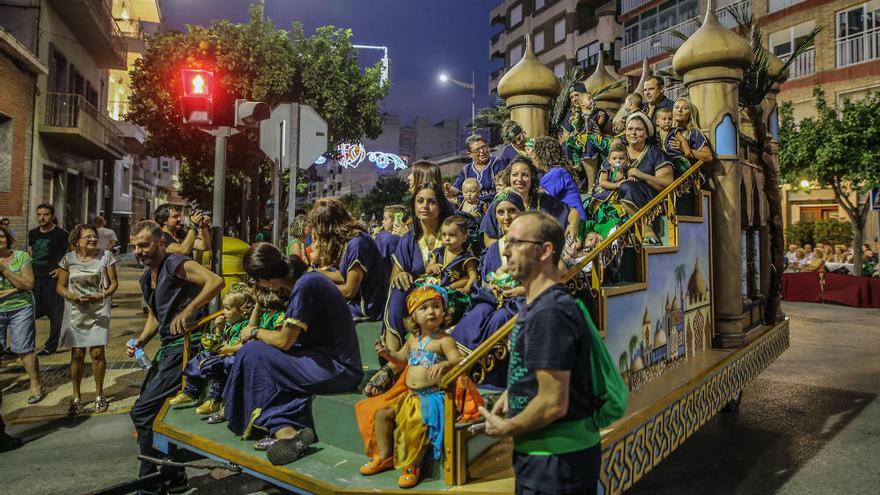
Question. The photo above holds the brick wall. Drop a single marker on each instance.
(17, 88)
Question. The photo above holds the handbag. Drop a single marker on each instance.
(610, 393)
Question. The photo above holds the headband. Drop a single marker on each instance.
(511, 197)
(649, 126)
(421, 295)
(514, 132)
(578, 88)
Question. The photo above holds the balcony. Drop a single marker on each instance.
(627, 6)
(498, 15)
(92, 23)
(658, 43)
(777, 5)
(76, 124)
(498, 45)
(804, 65)
(858, 47)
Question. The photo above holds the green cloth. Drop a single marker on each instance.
(604, 216)
(272, 320)
(232, 333)
(20, 299)
(610, 395)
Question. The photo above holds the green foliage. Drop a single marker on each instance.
(389, 190)
(799, 233)
(491, 118)
(352, 203)
(833, 231)
(253, 61)
(559, 106)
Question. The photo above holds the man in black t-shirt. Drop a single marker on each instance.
(47, 244)
(548, 397)
(180, 239)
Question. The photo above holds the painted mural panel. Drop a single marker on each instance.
(656, 329)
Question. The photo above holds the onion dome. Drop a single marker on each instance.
(645, 319)
(529, 77)
(646, 73)
(713, 45)
(696, 284)
(600, 79)
(659, 338)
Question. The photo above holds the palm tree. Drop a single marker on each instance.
(756, 84)
(623, 362)
(633, 343)
(491, 118)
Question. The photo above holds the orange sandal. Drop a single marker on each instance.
(410, 476)
(377, 465)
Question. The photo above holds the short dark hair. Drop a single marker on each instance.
(152, 227)
(660, 81)
(263, 261)
(163, 211)
(77, 231)
(47, 206)
(456, 220)
(9, 239)
(473, 138)
(549, 230)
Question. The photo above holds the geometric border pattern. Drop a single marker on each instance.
(626, 460)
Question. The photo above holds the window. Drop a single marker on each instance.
(539, 42)
(656, 19)
(859, 19)
(516, 15)
(559, 70)
(783, 42)
(539, 4)
(514, 55)
(588, 56)
(165, 166)
(631, 31)
(559, 31)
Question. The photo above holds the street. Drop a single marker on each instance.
(808, 424)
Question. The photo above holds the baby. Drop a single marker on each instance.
(672, 140)
(412, 423)
(456, 266)
(470, 203)
(210, 362)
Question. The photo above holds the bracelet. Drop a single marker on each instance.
(194, 228)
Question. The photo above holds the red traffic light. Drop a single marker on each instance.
(197, 82)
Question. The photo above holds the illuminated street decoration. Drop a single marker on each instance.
(351, 155)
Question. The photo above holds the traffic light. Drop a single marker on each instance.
(197, 102)
(250, 113)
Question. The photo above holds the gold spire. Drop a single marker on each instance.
(646, 72)
(601, 78)
(529, 77)
(713, 45)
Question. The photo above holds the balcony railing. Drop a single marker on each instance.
(92, 22)
(804, 64)
(73, 120)
(777, 5)
(858, 47)
(657, 43)
(675, 91)
(627, 6)
(130, 28)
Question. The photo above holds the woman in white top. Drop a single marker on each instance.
(87, 280)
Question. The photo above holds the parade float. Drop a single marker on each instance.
(690, 322)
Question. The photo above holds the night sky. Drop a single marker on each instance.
(424, 37)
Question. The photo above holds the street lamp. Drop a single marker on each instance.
(444, 78)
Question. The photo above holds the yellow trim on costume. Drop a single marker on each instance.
(293, 321)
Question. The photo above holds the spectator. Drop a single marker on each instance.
(4, 222)
(808, 253)
(816, 263)
(791, 255)
(47, 244)
(106, 237)
(86, 281)
(265, 233)
(482, 167)
(179, 240)
(297, 244)
(17, 310)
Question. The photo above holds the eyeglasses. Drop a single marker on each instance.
(480, 149)
(515, 242)
(89, 238)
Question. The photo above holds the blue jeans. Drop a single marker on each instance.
(19, 323)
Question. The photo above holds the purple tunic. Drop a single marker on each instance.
(544, 202)
(559, 184)
(324, 360)
(486, 178)
(638, 193)
(369, 301)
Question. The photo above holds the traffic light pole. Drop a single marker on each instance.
(217, 209)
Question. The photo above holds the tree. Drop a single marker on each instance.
(253, 61)
(840, 150)
(389, 190)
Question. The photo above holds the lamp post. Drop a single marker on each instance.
(444, 78)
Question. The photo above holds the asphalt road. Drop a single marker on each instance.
(808, 425)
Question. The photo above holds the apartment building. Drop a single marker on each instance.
(563, 32)
(845, 62)
(19, 68)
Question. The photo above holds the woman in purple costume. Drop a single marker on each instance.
(276, 373)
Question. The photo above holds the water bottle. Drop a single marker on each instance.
(140, 356)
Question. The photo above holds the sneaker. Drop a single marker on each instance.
(74, 406)
(209, 407)
(287, 450)
(217, 417)
(180, 399)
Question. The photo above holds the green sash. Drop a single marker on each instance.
(559, 438)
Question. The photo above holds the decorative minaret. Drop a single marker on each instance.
(601, 78)
(528, 88)
(773, 244)
(646, 73)
(711, 63)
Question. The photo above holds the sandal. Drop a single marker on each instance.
(380, 382)
(217, 417)
(377, 465)
(37, 398)
(101, 404)
(73, 408)
(410, 476)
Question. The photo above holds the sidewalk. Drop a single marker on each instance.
(122, 382)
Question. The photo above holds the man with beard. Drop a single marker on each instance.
(174, 288)
(548, 396)
(180, 240)
(47, 244)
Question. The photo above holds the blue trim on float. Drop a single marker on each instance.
(725, 137)
(774, 123)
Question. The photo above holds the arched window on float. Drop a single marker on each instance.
(773, 123)
(725, 138)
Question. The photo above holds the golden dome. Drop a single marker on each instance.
(645, 319)
(601, 78)
(713, 45)
(529, 77)
(775, 67)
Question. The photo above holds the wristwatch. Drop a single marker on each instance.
(254, 333)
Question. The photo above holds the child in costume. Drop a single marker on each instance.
(453, 266)
(407, 425)
(672, 140)
(632, 104)
(604, 210)
(470, 203)
(393, 219)
(211, 362)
